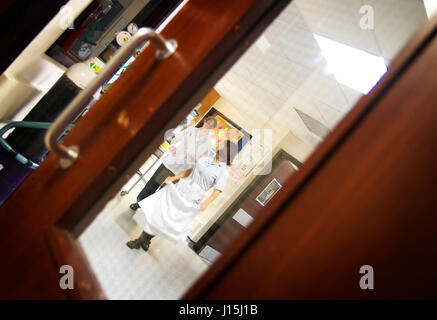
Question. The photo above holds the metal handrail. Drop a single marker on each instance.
(23, 124)
(68, 155)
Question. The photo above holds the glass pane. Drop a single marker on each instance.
(271, 109)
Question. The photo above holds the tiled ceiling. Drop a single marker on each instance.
(283, 78)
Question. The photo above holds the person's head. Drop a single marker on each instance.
(227, 152)
(210, 122)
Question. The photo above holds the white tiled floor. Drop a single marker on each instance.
(166, 271)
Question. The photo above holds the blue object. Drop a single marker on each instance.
(15, 167)
(24, 124)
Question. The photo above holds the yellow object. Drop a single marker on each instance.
(165, 145)
(224, 131)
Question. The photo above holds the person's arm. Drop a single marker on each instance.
(219, 187)
(205, 203)
(181, 175)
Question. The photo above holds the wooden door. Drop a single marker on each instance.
(40, 221)
(365, 198)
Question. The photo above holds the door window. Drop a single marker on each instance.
(269, 112)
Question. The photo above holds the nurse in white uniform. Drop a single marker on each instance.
(171, 211)
(188, 144)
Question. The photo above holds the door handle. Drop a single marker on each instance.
(67, 155)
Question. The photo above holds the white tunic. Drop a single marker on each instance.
(171, 211)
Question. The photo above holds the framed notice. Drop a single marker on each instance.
(250, 156)
(268, 192)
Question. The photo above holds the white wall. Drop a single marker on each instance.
(281, 138)
(285, 69)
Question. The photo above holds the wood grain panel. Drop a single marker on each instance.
(118, 134)
(412, 50)
(370, 202)
(66, 251)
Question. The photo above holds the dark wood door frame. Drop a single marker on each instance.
(251, 188)
(133, 120)
(116, 136)
(260, 266)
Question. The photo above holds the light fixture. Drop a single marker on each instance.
(430, 7)
(352, 67)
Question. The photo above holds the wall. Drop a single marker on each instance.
(284, 76)
(283, 82)
(282, 138)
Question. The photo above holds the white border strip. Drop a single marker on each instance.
(171, 16)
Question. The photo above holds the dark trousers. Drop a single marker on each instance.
(155, 181)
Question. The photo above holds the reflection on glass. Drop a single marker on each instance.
(354, 68)
(431, 7)
(276, 104)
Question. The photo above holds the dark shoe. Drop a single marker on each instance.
(134, 206)
(133, 244)
(142, 242)
(145, 245)
(145, 239)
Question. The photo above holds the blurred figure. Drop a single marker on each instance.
(189, 145)
(171, 211)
